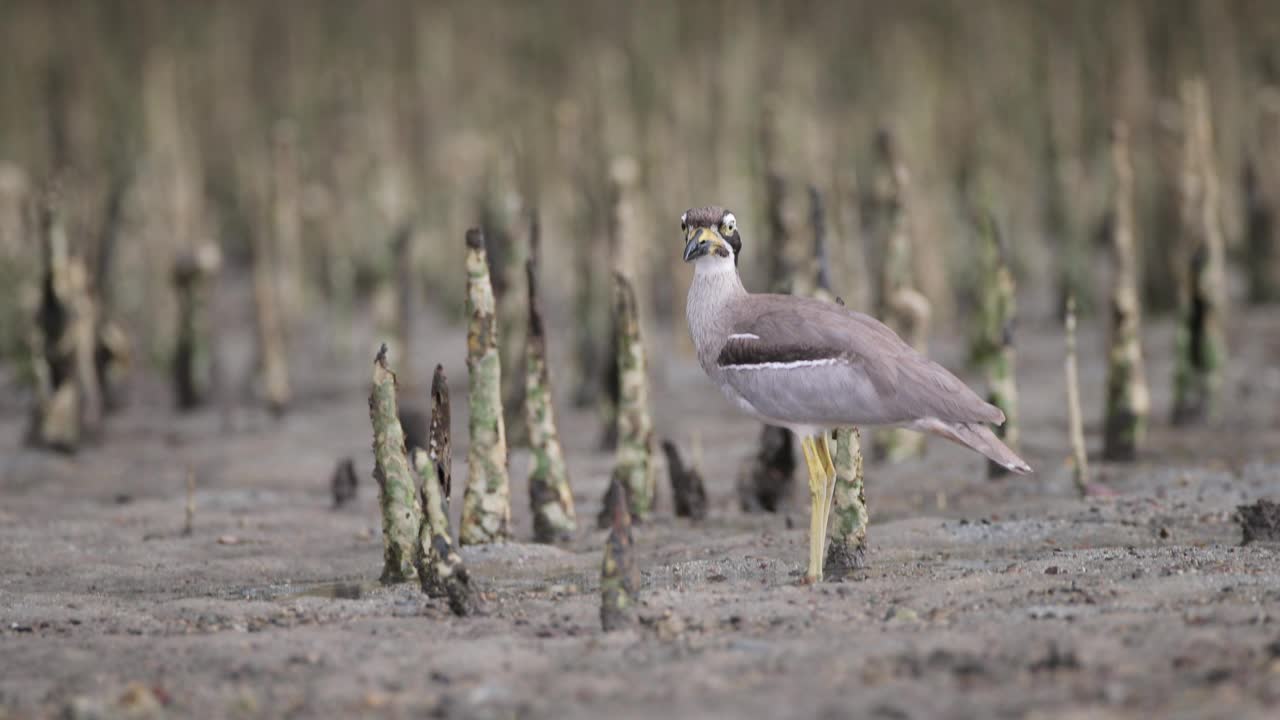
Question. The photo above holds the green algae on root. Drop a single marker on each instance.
(846, 551)
(486, 502)
(619, 575)
(550, 495)
(634, 464)
(401, 512)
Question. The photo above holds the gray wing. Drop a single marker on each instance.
(808, 362)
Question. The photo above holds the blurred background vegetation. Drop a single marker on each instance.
(325, 130)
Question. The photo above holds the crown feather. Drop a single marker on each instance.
(708, 216)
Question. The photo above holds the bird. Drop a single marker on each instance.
(813, 366)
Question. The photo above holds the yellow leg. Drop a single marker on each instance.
(817, 485)
(823, 449)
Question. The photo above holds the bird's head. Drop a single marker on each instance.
(710, 235)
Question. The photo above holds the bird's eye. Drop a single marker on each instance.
(729, 223)
(684, 225)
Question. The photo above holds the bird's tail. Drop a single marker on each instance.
(975, 436)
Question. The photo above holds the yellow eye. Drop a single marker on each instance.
(728, 224)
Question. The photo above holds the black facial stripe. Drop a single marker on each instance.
(735, 242)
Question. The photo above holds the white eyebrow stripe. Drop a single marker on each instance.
(744, 336)
(782, 365)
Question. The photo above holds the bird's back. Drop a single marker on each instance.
(806, 361)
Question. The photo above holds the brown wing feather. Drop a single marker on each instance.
(907, 383)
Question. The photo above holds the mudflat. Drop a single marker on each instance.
(981, 598)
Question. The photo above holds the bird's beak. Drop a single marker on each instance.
(701, 241)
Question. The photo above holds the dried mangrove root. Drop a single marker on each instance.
(486, 503)
(401, 512)
(68, 405)
(766, 480)
(688, 494)
(286, 232)
(112, 359)
(1201, 342)
(550, 495)
(1075, 421)
(1262, 200)
(193, 364)
(273, 363)
(846, 550)
(634, 464)
(619, 575)
(442, 573)
(1128, 398)
(439, 445)
(1259, 522)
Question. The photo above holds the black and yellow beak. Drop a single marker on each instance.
(702, 241)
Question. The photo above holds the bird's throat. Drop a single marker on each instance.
(716, 286)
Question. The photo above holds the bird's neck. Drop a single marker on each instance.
(716, 286)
